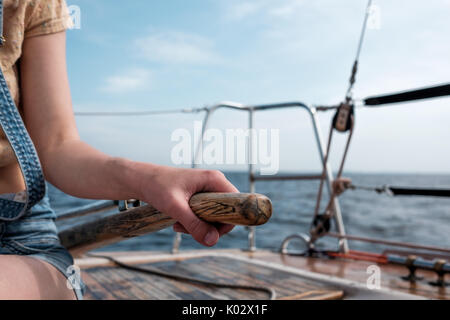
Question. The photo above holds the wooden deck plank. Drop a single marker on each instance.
(338, 268)
(126, 284)
(357, 271)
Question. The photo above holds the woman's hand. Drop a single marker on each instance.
(170, 189)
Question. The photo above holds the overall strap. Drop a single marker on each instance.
(12, 124)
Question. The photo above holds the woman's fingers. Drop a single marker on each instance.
(223, 228)
(200, 230)
(205, 233)
(215, 181)
(182, 184)
(178, 227)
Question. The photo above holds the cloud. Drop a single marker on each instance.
(243, 10)
(131, 80)
(275, 9)
(176, 47)
(286, 10)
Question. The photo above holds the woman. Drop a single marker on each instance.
(33, 264)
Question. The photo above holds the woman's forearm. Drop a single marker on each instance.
(80, 170)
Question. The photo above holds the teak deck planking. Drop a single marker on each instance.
(106, 281)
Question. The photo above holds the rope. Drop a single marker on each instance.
(147, 270)
(348, 104)
(330, 209)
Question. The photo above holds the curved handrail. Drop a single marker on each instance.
(312, 111)
(242, 107)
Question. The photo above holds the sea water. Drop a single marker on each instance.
(421, 220)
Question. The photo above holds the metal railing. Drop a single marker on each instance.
(312, 112)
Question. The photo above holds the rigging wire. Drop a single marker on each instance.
(197, 110)
(138, 113)
(358, 52)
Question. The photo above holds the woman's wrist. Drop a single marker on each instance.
(131, 176)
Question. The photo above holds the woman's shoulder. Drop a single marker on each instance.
(38, 16)
(21, 5)
(34, 8)
(14, 4)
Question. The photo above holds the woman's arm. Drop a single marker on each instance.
(80, 170)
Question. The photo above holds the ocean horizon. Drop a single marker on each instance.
(418, 219)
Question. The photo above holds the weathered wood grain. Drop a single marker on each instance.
(353, 270)
(229, 208)
(116, 283)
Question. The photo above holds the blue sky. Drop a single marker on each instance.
(156, 55)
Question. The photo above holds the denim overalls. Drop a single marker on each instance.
(27, 228)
